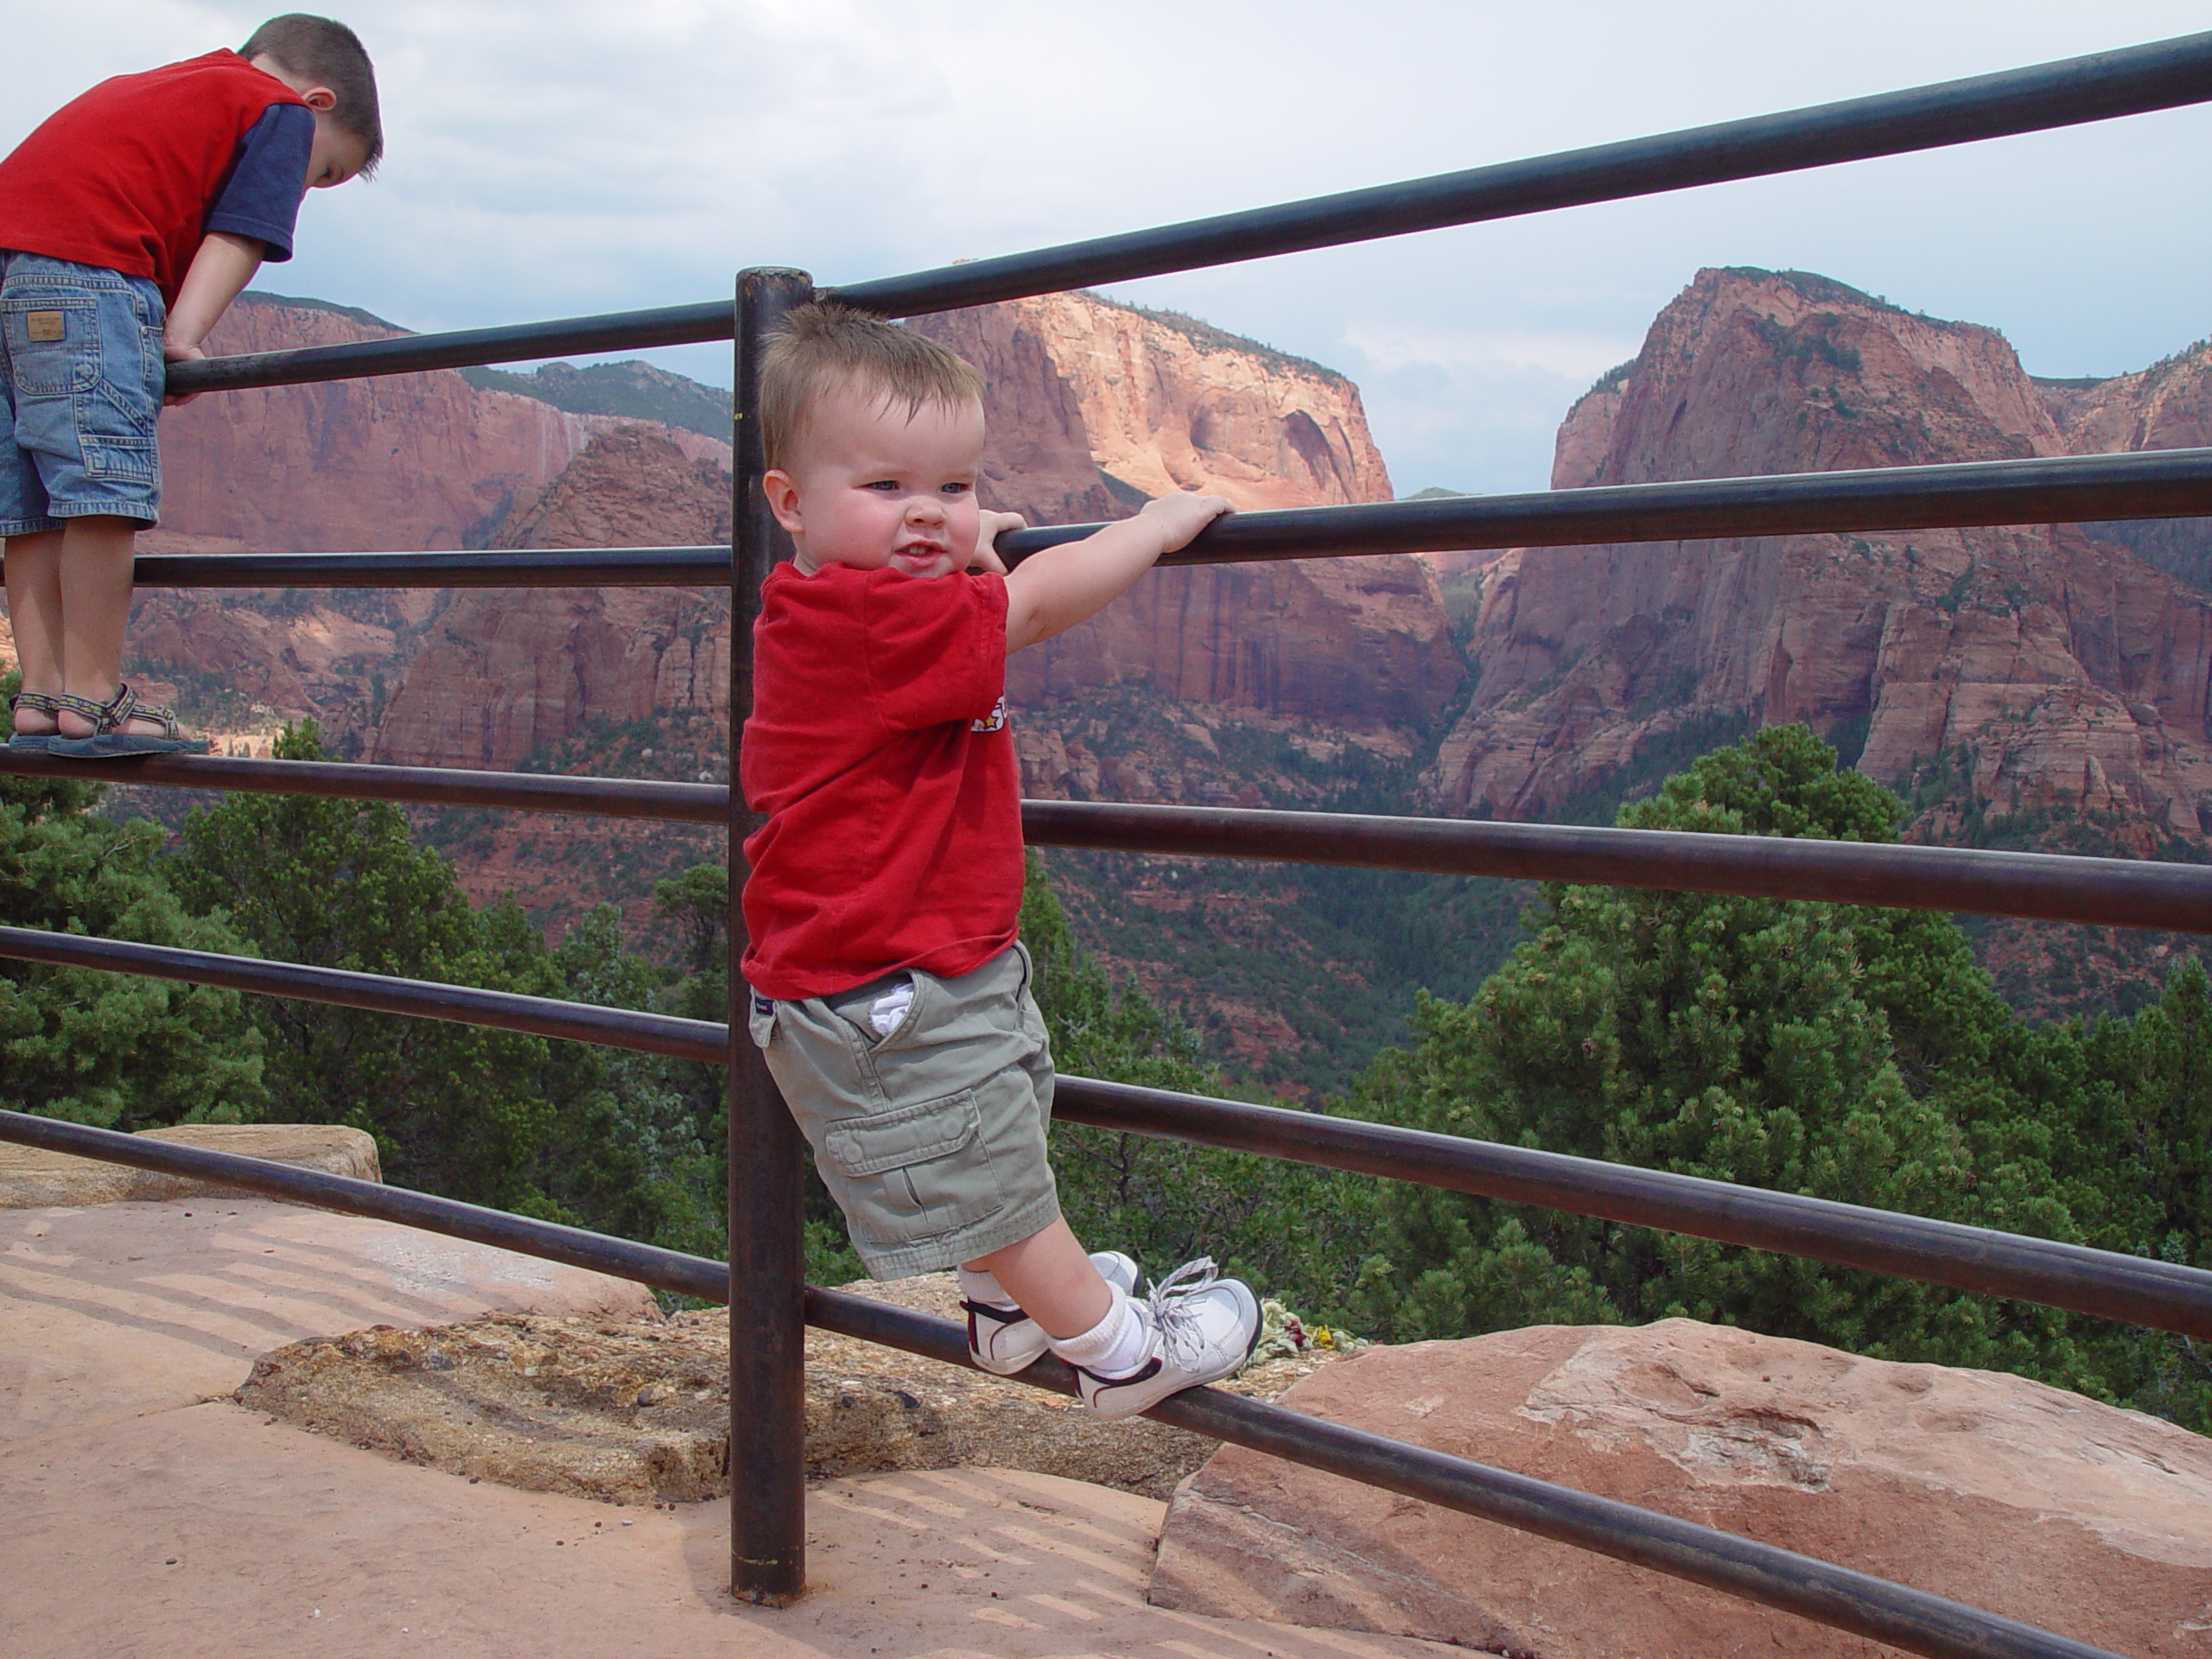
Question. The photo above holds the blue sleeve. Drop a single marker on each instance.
(261, 198)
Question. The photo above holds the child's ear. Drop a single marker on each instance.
(782, 491)
(321, 99)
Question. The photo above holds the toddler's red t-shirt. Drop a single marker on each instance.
(879, 748)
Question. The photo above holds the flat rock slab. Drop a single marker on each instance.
(637, 1413)
(113, 1310)
(1987, 1489)
(33, 1177)
(210, 1531)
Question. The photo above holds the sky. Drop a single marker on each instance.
(557, 158)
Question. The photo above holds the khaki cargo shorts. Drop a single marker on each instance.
(932, 1136)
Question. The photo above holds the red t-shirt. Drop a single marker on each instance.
(879, 748)
(123, 177)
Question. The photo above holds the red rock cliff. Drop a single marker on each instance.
(1074, 382)
(2061, 670)
(393, 464)
(502, 672)
(1155, 403)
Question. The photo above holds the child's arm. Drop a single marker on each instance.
(218, 273)
(1050, 592)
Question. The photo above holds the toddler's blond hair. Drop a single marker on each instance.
(821, 348)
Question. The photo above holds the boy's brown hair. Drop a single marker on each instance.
(822, 348)
(318, 50)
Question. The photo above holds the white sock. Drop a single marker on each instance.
(1116, 1345)
(978, 1285)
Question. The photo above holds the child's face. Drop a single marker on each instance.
(337, 154)
(876, 489)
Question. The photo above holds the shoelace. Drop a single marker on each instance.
(1177, 1323)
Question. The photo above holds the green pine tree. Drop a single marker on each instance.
(1843, 1052)
(113, 1050)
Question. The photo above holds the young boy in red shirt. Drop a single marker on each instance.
(129, 222)
(891, 995)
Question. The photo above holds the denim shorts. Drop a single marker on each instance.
(82, 378)
(931, 1136)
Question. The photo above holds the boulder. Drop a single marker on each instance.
(1991, 1490)
(33, 1178)
(638, 1413)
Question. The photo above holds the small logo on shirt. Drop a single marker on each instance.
(995, 723)
(43, 326)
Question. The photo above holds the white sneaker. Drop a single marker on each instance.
(1201, 1331)
(1004, 1340)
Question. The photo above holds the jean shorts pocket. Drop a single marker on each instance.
(53, 343)
(138, 458)
(916, 1172)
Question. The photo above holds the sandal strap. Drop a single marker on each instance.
(38, 702)
(83, 708)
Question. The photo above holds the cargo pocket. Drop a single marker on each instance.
(761, 1021)
(53, 343)
(916, 1172)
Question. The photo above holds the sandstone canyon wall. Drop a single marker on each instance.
(1155, 403)
(2054, 669)
(1078, 387)
(397, 463)
(502, 673)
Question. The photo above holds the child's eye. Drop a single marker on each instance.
(955, 489)
(884, 484)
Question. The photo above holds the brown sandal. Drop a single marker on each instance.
(32, 743)
(110, 741)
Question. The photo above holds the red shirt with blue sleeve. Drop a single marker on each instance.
(879, 748)
(127, 176)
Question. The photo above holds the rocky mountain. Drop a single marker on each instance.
(2049, 671)
(398, 463)
(502, 674)
(1078, 387)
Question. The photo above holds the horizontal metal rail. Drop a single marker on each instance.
(540, 1016)
(2061, 489)
(1827, 1594)
(2161, 75)
(2041, 887)
(517, 791)
(589, 567)
(462, 348)
(2101, 1283)
(2044, 886)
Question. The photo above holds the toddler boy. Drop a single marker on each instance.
(129, 222)
(891, 996)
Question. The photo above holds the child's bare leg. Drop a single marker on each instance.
(96, 589)
(1056, 1284)
(34, 614)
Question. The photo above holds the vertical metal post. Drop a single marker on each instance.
(768, 1330)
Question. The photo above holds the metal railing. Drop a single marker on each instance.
(761, 1282)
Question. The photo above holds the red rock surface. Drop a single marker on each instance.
(1080, 386)
(504, 672)
(1987, 1489)
(1164, 403)
(395, 463)
(2061, 671)
(1360, 643)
